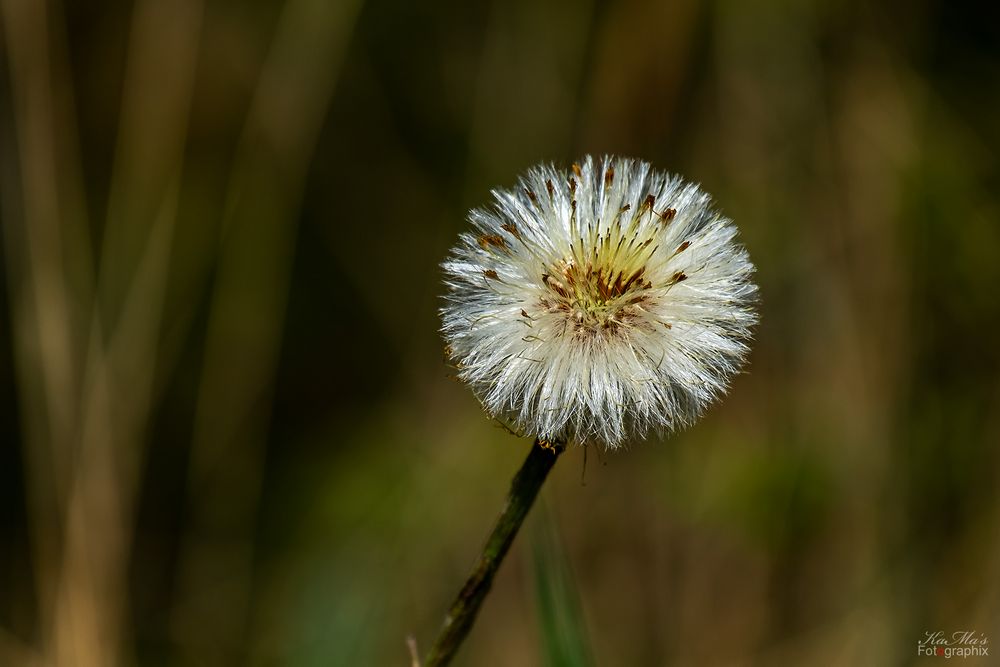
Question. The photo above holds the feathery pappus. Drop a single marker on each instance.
(598, 303)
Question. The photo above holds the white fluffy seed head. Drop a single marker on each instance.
(596, 304)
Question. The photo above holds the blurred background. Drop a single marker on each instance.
(227, 432)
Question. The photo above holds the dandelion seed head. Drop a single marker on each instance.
(598, 303)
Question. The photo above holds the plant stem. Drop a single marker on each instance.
(523, 490)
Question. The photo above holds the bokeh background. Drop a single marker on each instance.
(227, 432)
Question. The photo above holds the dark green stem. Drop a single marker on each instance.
(523, 490)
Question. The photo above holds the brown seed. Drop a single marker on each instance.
(668, 215)
(609, 176)
(511, 229)
(577, 171)
(682, 247)
(635, 276)
(550, 188)
(486, 240)
(554, 285)
(490, 273)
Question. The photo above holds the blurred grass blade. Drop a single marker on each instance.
(564, 632)
(211, 611)
(47, 265)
